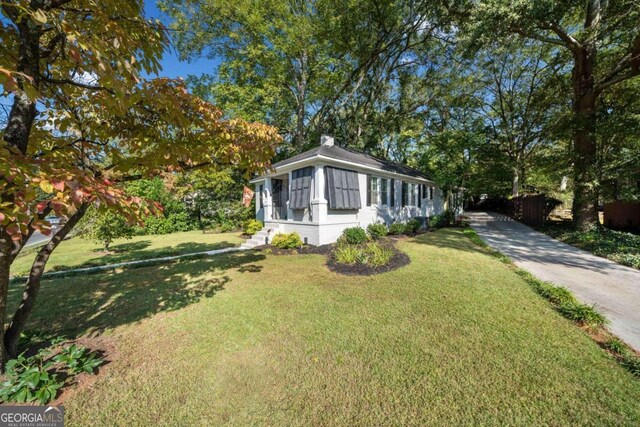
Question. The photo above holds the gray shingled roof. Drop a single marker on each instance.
(353, 156)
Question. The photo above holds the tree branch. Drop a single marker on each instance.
(541, 38)
(74, 83)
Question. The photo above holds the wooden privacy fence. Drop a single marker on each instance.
(531, 210)
(621, 215)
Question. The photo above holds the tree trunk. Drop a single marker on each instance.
(21, 316)
(5, 265)
(301, 100)
(515, 182)
(23, 111)
(585, 193)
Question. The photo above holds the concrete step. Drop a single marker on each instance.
(257, 239)
(251, 243)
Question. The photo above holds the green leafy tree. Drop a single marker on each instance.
(343, 67)
(104, 226)
(174, 216)
(83, 122)
(213, 198)
(519, 103)
(600, 41)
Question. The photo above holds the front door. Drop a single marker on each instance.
(280, 198)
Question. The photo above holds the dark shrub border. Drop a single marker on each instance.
(399, 259)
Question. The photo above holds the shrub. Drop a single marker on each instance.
(226, 227)
(397, 228)
(377, 231)
(28, 379)
(78, 359)
(412, 226)
(354, 235)
(287, 240)
(166, 224)
(252, 226)
(104, 226)
(174, 216)
(444, 219)
(35, 378)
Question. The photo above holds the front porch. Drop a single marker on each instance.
(273, 200)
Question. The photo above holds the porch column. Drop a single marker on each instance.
(319, 203)
(268, 200)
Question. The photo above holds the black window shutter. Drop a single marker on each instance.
(404, 194)
(368, 190)
(384, 191)
(337, 176)
(393, 193)
(343, 189)
(353, 190)
(330, 188)
(300, 188)
(306, 187)
(420, 190)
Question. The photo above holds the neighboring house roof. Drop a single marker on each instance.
(352, 156)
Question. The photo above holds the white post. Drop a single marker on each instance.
(268, 200)
(319, 203)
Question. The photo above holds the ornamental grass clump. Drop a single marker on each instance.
(373, 253)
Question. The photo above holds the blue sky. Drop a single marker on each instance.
(171, 65)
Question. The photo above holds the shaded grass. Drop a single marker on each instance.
(77, 252)
(618, 246)
(243, 339)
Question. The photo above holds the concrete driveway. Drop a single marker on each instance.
(613, 288)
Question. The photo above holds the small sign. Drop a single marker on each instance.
(31, 416)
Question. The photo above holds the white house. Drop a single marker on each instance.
(322, 191)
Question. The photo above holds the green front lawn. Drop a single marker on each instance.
(456, 337)
(77, 252)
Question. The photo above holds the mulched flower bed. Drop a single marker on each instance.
(399, 259)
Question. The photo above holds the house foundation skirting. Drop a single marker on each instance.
(312, 233)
